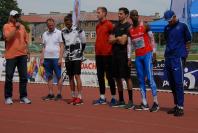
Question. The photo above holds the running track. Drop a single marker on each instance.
(52, 117)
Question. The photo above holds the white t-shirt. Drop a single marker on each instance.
(51, 41)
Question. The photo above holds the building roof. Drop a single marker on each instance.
(84, 16)
(39, 18)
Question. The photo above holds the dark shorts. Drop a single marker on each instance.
(120, 66)
(73, 67)
(51, 66)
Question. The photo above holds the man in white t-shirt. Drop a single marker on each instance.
(51, 57)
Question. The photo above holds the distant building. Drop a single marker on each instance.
(88, 22)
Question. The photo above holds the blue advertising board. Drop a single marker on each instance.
(190, 76)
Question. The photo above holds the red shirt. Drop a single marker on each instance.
(103, 30)
(140, 40)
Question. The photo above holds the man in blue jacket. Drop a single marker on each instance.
(178, 38)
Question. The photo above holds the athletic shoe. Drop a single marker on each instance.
(48, 97)
(71, 101)
(78, 101)
(130, 105)
(141, 107)
(155, 107)
(100, 101)
(173, 110)
(119, 104)
(8, 101)
(179, 112)
(58, 97)
(112, 102)
(25, 100)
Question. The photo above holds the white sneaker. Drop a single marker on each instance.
(25, 100)
(8, 101)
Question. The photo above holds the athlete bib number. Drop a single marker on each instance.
(138, 43)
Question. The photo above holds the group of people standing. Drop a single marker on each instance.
(113, 58)
(68, 44)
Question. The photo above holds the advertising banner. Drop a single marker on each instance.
(36, 74)
(190, 76)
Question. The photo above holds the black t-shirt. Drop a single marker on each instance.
(119, 30)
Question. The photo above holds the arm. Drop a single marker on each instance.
(129, 48)
(152, 41)
(129, 51)
(188, 38)
(61, 53)
(62, 47)
(83, 40)
(26, 38)
(42, 55)
(120, 39)
(9, 34)
(42, 52)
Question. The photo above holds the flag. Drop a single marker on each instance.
(76, 12)
(180, 7)
(182, 10)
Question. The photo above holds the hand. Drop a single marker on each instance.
(154, 60)
(112, 39)
(184, 62)
(28, 57)
(60, 61)
(17, 25)
(41, 61)
(129, 63)
(188, 47)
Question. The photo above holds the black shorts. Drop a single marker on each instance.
(73, 67)
(120, 66)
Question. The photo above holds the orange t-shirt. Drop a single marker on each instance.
(17, 46)
(103, 30)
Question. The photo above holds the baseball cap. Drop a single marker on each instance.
(168, 15)
(14, 12)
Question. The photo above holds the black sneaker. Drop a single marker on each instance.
(48, 97)
(173, 110)
(141, 107)
(119, 104)
(130, 105)
(155, 107)
(58, 97)
(179, 112)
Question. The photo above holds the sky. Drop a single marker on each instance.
(145, 7)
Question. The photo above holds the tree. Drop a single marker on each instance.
(5, 7)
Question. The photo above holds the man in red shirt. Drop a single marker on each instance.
(104, 56)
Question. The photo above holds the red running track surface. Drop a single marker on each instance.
(53, 116)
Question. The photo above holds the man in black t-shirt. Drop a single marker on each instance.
(121, 62)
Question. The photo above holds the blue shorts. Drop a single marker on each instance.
(51, 66)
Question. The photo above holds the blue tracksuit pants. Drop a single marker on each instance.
(144, 69)
(175, 75)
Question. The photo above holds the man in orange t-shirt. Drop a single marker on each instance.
(16, 55)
